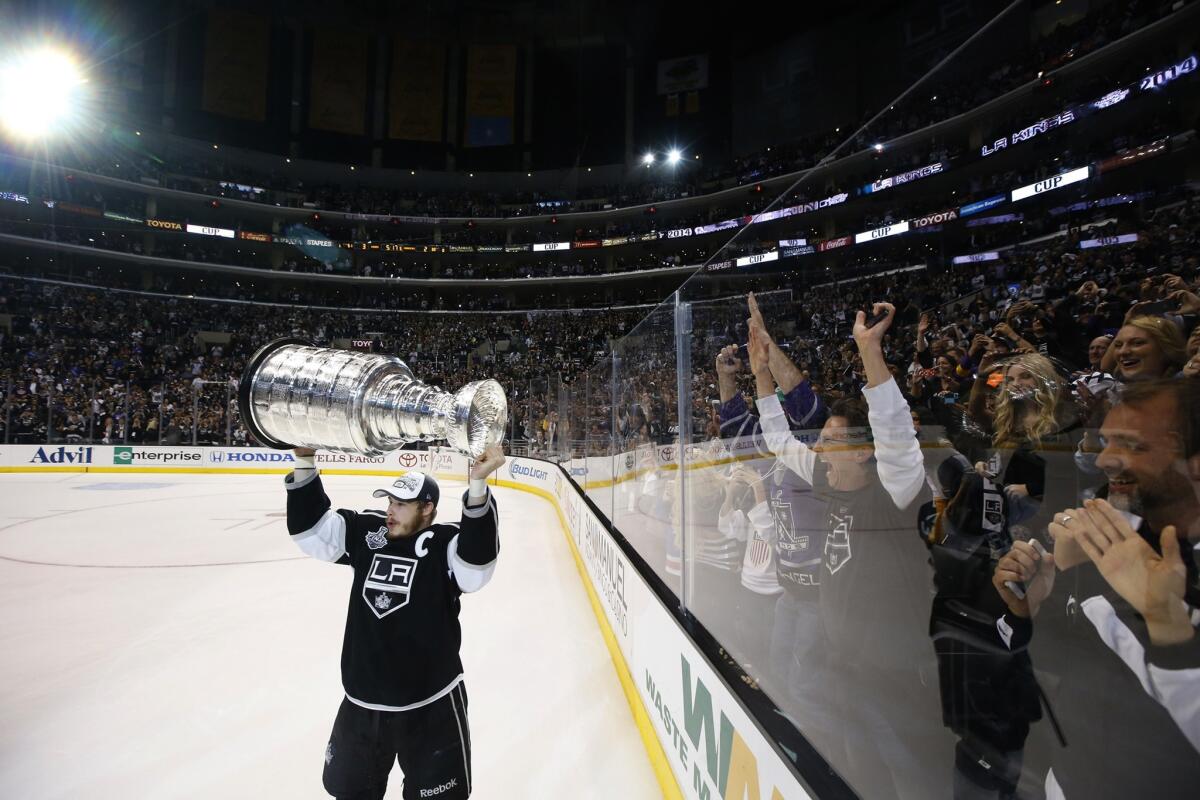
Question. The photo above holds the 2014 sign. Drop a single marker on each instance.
(1161, 78)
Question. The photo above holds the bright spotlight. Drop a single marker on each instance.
(878, 148)
(674, 156)
(39, 93)
(648, 159)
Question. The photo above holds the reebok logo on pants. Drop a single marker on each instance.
(435, 791)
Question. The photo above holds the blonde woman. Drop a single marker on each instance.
(1027, 407)
(1020, 413)
(1144, 349)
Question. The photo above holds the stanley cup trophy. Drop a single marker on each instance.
(295, 395)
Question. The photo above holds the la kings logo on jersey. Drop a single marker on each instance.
(837, 546)
(388, 583)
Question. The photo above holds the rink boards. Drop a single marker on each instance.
(700, 740)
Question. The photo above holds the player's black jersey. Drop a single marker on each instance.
(400, 649)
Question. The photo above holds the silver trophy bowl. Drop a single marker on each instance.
(293, 394)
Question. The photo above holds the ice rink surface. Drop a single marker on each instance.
(161, 637)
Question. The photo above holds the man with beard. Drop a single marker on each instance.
(1117, 605)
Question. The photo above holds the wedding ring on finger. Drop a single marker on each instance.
(1064, 519)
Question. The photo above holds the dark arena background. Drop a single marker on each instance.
(851, 362)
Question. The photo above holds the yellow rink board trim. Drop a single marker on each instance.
(654, 750)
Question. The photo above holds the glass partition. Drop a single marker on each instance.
(926, 487)
(645, 486)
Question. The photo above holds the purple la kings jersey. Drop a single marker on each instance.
(799, 517)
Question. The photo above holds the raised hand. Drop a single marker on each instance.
(870, 343)
(1152, 584)
(727, 361)
(1004, 329)
(1174, 283)
(1189, 303)
(1019, 307)
(755, 313)
(1025, 564)
(863, 335)
(1192, 368)
(488, 462)
(759, 348)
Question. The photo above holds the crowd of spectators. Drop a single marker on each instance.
(113, 367)
(957, 310)
(90, 348)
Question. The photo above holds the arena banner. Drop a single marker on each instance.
(758, 258)
(975, 258)
(1051, 183)
(996, 219)
(337, 97)
(134, 458)
(204, 230)
(904, 177)
(1150, 82)
(881, 233)
(982, 205)
(936, 218)
(237, 48)
(491, 95)
(830, 244)
(1028, 132)
(113, 215)
(416, 91)
(1108, 241)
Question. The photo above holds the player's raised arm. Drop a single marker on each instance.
(315, 527)
(474, 550)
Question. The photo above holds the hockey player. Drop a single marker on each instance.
(405, 699)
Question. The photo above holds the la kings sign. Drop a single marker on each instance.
(388, 583)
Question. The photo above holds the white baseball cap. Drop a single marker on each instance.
(412, 486)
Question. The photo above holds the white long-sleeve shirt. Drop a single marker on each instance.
(898, 458)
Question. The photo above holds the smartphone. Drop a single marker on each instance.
(950, 399)
(874, 320)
